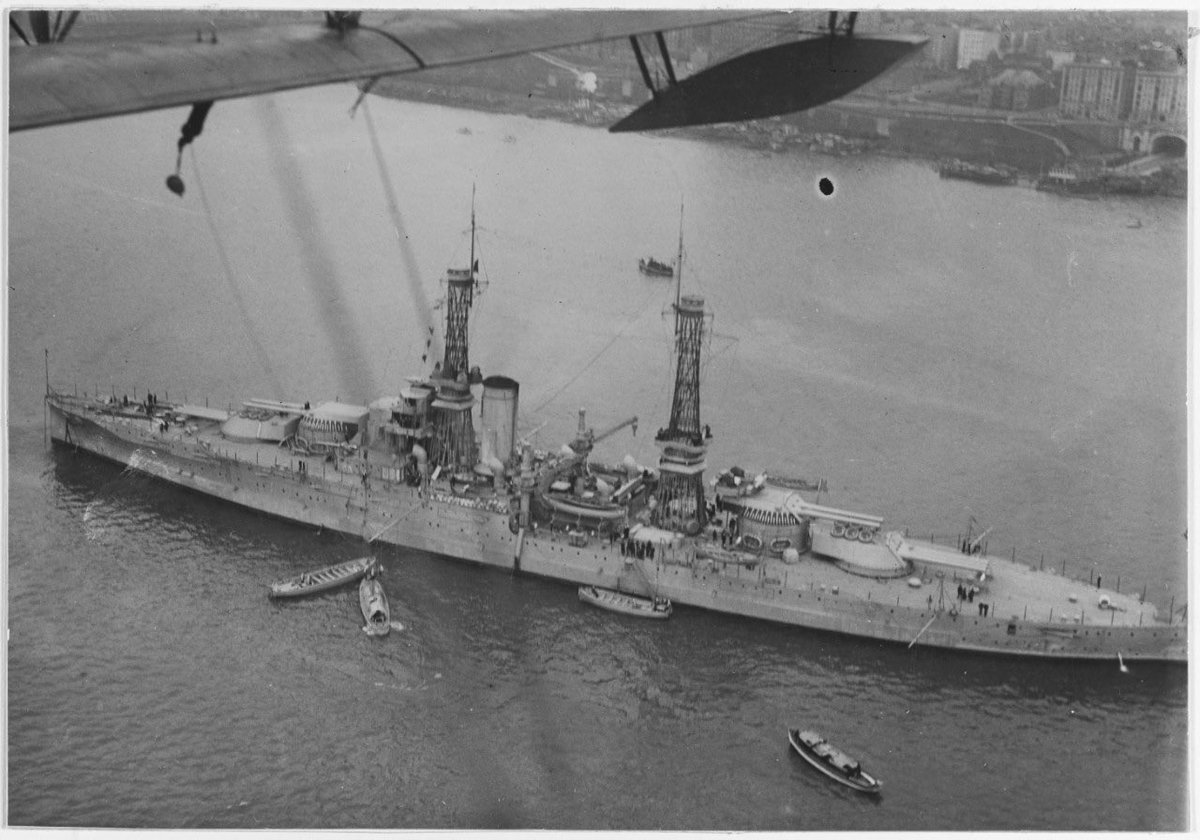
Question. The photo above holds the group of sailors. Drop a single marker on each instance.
(641, 549)
(728, 535)
(147, 405)
(967, 593)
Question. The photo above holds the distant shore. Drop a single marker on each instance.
(815, 133)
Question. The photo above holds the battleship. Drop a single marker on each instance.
(439, 467)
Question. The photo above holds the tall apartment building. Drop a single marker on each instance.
(942, 49)
(1112, 92)
(1159, 96)
(976, 45)
(1095, 91)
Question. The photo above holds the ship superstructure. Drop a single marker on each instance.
(412, 469)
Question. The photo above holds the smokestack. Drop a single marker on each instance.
(499, 414)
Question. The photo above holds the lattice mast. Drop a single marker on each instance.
(683, 444)
(454, 432)
(459, 297)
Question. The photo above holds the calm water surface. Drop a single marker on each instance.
(936, 350)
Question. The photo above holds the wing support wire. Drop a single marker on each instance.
(641, 62)
(40, 26)
(847, 27)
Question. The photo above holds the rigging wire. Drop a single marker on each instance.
(621, 332)
(227, 269)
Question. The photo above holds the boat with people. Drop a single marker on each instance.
(322, 580)
(437, 466)
(658, 268)
(373, 602)
(620, 602)
(832, 762)
(655, 268)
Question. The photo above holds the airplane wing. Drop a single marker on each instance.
(55, 83)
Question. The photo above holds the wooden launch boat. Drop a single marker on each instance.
(658, 608)
(832, 762)
(374, 605)
(656, 268)
(583, 508)
(322, 580)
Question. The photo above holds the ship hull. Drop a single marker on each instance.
(812, 594)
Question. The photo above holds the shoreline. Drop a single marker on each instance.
(763, 136)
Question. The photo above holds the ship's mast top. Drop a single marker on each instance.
(460, 292)
(679, 269)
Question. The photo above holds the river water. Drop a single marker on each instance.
(937, 350)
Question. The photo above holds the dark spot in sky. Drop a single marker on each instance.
(825, 186)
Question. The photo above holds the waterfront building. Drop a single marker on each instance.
(1159, 97)
(1149, 105)
(976, 45)
(1099, 91)
(1157, 118)
(942, 50)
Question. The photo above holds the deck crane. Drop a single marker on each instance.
(586, 438)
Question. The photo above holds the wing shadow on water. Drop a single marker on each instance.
(412, 271)
(320, 274)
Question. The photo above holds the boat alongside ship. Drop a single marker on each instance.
(373, 603)
(411, 470)
(323, 580)
(619, 602)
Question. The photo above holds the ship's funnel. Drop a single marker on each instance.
(487, 457)
(499, 414)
